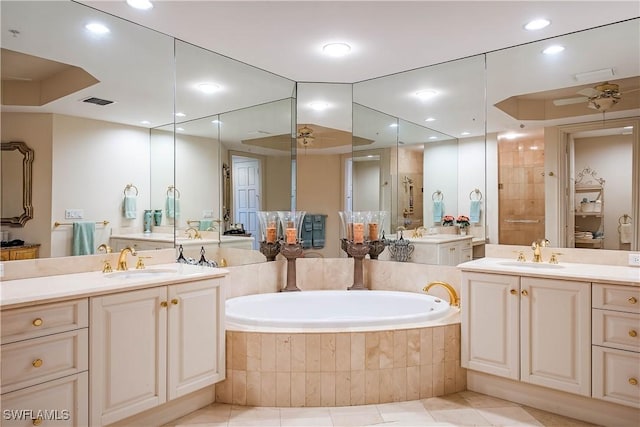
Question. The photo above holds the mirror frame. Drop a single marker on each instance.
(27, 175)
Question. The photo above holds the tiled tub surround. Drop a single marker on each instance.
(342, 368)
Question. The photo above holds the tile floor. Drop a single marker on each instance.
(465, 408)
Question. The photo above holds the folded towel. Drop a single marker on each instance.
(172, 207)
(437, 210)
(129, 209)
(318, 233)
(474, 212)
(205, 224)
(83, 237)
(625, 233)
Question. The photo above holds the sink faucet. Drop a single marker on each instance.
(537, 246)
(196, 233)
(454, 300)
(122, 259)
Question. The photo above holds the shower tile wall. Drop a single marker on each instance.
(341, 369)
(521, 190)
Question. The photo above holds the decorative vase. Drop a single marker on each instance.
(157, 217)
(147, 220)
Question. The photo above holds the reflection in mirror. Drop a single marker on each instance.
(88, 149)
(324, 137)
(17, 161)
(550, 120)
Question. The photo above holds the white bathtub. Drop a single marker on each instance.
(321, 311)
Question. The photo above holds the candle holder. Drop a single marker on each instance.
(358, 251)
(291, 247)
(355, 244)
(269, 234)
(377, 242)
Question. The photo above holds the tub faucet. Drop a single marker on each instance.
(196, 233)
(454, 300)
(122, 259)
(104, 247)
(537, 246)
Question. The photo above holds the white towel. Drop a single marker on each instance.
(625, 233)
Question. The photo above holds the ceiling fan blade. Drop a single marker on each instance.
(569, 101)
(588, 92)
(630, 90)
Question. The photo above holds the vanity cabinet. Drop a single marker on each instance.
(534, 330)
(19, 252)
(119, 243)
(153, 345)
(44, 359)
(442, 250)
(616, 344)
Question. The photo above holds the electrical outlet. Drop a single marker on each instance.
(73, 213)
(634, 260)
(207, 214)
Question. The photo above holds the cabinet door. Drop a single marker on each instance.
(490, 318)
(128, 354)
(555, 334)
(196, 336)
(448, 254)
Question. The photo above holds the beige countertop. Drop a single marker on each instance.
(37, 290)
(621, 275)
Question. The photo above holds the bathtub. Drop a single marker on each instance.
(333, 311)
(339, 348)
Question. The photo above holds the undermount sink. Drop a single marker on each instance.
(540, 265)
(140, 274)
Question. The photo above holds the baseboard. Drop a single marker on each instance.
(170, 411)
(570, 405)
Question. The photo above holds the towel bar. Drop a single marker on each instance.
(522, 221)
(175, 191)
(437, 194)
(478, 194)
(57, 224)
(624, 219)
(129, 187)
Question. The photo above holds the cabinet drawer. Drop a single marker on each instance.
(616, 376)
(615, 297)
(31, 322)
(30, 362)
(62, 402)
(616, 329)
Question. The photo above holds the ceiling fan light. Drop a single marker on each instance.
(602, 103)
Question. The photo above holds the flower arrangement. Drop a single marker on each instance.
(462, 221)
(448, 220)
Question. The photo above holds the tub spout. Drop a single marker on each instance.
(454, 300)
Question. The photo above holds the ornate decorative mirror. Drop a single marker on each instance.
(17, 160)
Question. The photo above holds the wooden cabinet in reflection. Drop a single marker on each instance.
(19, 252)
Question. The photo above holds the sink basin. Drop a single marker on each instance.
(540, 265)
(141, 274)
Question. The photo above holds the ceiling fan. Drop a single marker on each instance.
(601, 97)
(305, 136)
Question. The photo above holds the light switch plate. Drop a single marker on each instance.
(634, 260)
(73, 213)
(207, 214)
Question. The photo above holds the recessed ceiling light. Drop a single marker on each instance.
(336, 49)
(430, 119)
(426, 94)
(145, 122)
(97, 28)
(216, 122)
(393, 125)
(208, 87)
(180, 114)
(433, 137)
(552, 50)
(537, 24)
(319, 105)
(140, 4)
(465, 133)
(180, 129)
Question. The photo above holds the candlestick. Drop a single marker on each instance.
(358, 232)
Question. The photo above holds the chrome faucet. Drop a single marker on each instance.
(196, 234)
(537, 246)
(122, 259)
(454, 300)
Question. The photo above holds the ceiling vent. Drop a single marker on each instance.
(97, 101)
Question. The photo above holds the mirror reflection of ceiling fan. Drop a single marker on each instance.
(601, 97)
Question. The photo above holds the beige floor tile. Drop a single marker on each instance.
(460, 417)
(509, 416)
(410, 413)
(477, 400)
(555, 420)
(452, 401)
(355, 415)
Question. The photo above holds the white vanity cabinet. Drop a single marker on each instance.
(44, 358)
(616, 344)
(152, 345)
(534, 330)
(140, 242)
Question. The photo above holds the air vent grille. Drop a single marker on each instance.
(97, 101)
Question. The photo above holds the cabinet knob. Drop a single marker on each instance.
(163, 304)
(633, 333)
(37, 421)
(632, 300)
(524, 292)
(633, 381)
(37, 363)
(174, 301)
(37, 322)
(513, 292)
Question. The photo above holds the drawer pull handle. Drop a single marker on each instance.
(37, 363)
(37, 421)
(163, 304)
(513, 292)
(632, 300)
(37, 322)
(174, 301)
(633, 333)
(633, 381)
(524, 292)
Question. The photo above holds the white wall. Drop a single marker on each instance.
(366, 185)
(472, 176)
(440, 173)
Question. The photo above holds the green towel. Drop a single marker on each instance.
(172, 207)
(206, 224)
(83, 237)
